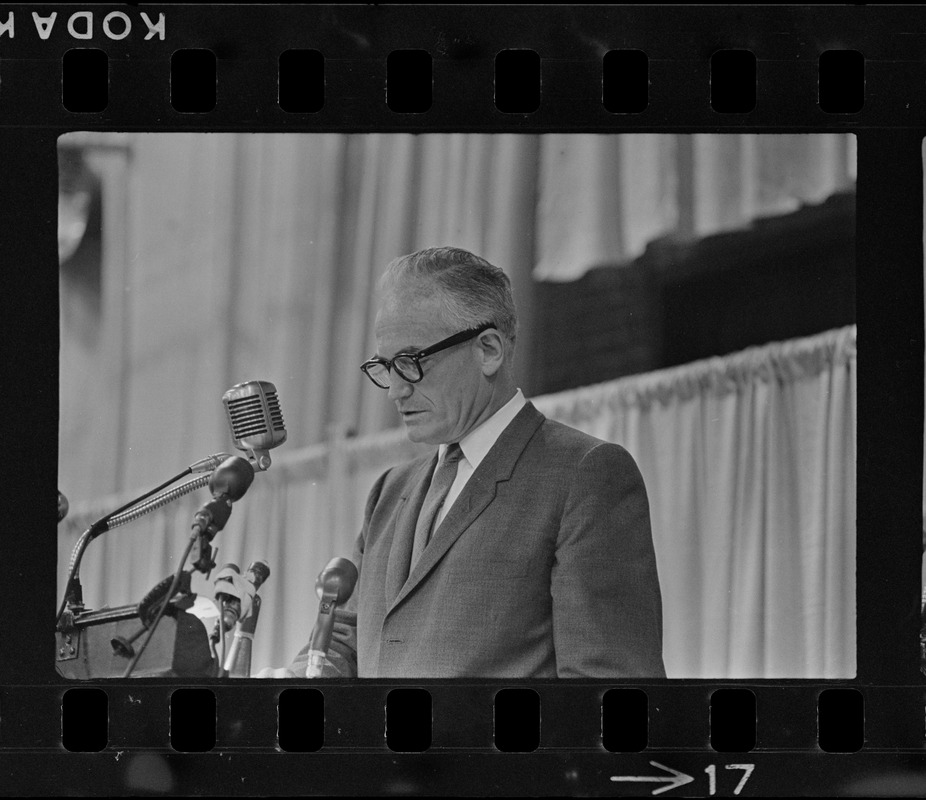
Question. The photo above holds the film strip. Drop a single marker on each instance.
(483, 69)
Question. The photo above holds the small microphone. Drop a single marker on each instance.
(231, 479)
(255, 419)
(258, 572)
(338, 579)
(62, 506)
(228, 483)
(334, 587)
(238, 592)
(211, 518)
(238, 661)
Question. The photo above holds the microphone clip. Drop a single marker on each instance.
(260, 460)
(201, 555)
(327, 602)
(207, 522)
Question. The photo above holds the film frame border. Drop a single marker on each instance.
(787, 41)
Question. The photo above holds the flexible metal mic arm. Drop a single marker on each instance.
(73, 593)
(163, 499)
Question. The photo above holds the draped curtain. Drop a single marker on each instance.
(749, 461)
(602, 199)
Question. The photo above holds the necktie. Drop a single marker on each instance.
(441, 482)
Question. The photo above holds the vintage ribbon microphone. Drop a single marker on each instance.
(255, 419)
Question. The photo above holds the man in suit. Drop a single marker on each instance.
(522, 547)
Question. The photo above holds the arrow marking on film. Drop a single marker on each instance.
(673, 781)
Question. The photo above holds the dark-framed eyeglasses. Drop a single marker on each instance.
(408, 365)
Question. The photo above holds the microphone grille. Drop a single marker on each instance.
(254, 415)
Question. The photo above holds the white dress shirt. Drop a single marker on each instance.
(475, 446)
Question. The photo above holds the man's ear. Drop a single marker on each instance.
(491, 349)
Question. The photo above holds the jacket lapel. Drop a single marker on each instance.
(400, 551)
(479, 492)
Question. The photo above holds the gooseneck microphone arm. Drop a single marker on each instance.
(73, 593)
(141, 508)
(127, 513)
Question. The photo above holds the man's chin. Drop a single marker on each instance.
(418, 437)
(419, 433)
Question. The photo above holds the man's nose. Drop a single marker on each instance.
(398, 388)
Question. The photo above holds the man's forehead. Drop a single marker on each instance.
(405, 337)
(419, 315)
(409, 297)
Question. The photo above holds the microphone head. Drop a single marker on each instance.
(259, 571)
(339, 575)
(254, 416)
(231, 478)
(62, 506)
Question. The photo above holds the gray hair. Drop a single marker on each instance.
(470, 290)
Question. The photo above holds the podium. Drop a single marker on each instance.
(179, 648)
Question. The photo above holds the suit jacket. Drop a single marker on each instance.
(543, 567)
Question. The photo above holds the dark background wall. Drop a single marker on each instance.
(781, 278)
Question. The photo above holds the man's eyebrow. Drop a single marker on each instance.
(412, 348)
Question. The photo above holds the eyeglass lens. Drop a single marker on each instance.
(407, 368)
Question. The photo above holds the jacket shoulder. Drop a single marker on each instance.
(556, 434)
(559, 442)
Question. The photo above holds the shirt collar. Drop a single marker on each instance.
(477, 443)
